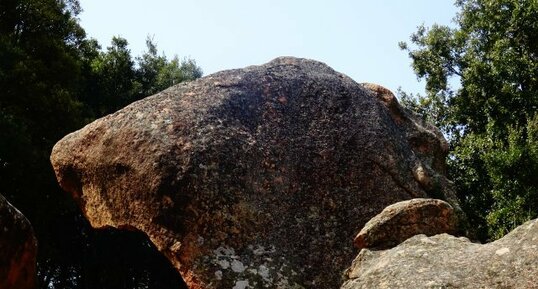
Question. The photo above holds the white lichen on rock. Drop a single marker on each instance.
(241, 284)
(253, 268)
(224, 264)
(502, 251)
(237, 266)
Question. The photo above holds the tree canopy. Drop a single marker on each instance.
(482, 90)
(53, 80)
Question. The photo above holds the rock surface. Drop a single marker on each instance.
(403, 220)
(444, 261)
(254, 177)
(18, 249)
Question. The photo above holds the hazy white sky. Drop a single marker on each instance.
(359, 38)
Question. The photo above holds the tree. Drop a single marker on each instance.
(155, 72)
(115, 79)
(114, 74)
(177, 71)
(149, 66)
(490, 116)
(53, 80)
(39, 80)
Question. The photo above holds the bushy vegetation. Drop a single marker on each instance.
(53, 80)
(489, 112)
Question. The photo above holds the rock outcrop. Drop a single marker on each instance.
(18, 249)
(445, 261)
(403, 220)
(255, 177)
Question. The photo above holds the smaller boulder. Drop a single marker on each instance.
(445, 261)
(18, 249)
(402, 220)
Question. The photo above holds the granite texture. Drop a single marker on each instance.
(257, 177)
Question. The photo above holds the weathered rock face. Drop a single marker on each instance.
(256, 177)
(18, 249)
(444, 261)
(402, 220)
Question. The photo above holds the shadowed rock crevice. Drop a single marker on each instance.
(115, 256)
(258, 176)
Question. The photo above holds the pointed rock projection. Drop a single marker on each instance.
(254, 177)
(18, 249)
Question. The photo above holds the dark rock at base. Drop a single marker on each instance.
(254, 177)
(18, 249)
(445, 261)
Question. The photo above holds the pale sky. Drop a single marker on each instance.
(359, 38)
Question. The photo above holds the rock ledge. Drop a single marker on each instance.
(445, 261)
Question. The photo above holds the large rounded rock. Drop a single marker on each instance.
(256, 177)
(18, 249)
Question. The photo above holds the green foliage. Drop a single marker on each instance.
(431, 109)
(155, 72)
(177, 71)
(53, 80)
(512, 171)
(117, 80)
(114, 74)
(490, 114)
(150, 65)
